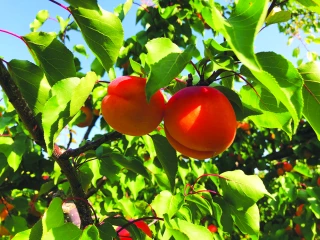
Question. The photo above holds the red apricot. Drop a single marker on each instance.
(300, 210)
(297, 229)
(125, 235)
(280, 171)
(5, 210)
(212, 228)
(287, 166)
(89, 116)
(318, 181)
(3, 231)
(125, 108)
(200, 122)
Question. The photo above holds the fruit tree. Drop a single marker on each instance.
(181, 127)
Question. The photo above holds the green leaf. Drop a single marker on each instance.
(36, 231)
(241, 27)
(54, 57)
(240, 190)
(167, 203)
(16, 224)
(89, 4)
(106, 231)
(201, 203)
(63, 106)
(128, 162)
(278, 16)
(24, 235)
(102, 31)
(247, 220)
(80, 49)
(296, 52)
(53, 217)
(282, 79)
(136, 67)
(311, 94)
(226, 219)
(121, 10)
(167, 157)
(181, 229)
(66, 231)
(135, 185)
(273, 115)
(90, 233)
(13, 150)
(303, 169)
(32, 83)
(41, 17)
(166, 61)
(312, 5)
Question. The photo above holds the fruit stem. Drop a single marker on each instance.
(61, 5)
(11, 33)
(190, 79)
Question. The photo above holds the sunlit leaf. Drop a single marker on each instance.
(54, 57)
(166, 61)
(102, 32)
(311, 94)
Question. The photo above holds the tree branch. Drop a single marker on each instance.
(90, 145)
(22, 108)
(27, 117)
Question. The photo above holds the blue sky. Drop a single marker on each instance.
(16, 15)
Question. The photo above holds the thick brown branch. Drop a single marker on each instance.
(27, 117)
(100, 184)
(91, 145)
(25, 113)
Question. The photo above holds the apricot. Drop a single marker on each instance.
(200, 122)
(300, 210)
(280, 171)
(4, 231)
(125, 107)
(287, 166)
(89, 116)
(125, 235)
(5, 210)
(212, 228)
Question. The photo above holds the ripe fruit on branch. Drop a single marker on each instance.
(212, 228)
(297, 229)
(125, 108)
(199, 122)
(300, 210)
(125, 235)
(280, 171)
(89, 116)
(3, 231)
(245, 126)
(5, 209)
(287, 166)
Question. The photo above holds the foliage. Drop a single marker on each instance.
(50, 191)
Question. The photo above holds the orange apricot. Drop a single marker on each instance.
(297, 229)
(287, 166)
(125, 107)
(280, 171)
(4, 231)
(5, 210)
(200, 122)
(89, 116)
(300, 210)
(212, 228)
